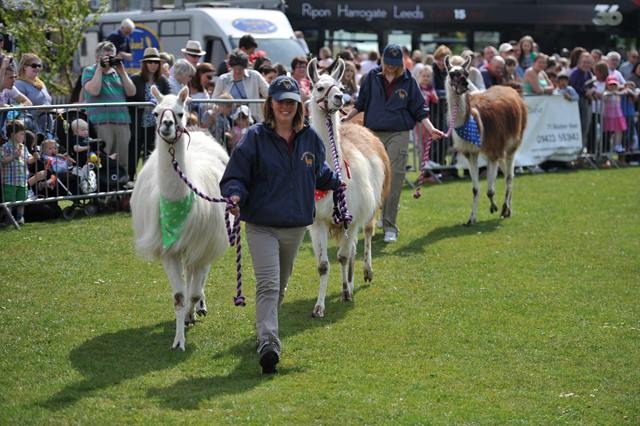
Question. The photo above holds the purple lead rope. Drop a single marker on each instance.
(340, 212)
(426, 148)
(233, 233)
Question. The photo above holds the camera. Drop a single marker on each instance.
(10, 59)
(590, 84)
(110, 61)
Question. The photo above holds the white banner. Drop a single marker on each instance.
(553, 132)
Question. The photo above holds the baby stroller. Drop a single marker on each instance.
(75, 181)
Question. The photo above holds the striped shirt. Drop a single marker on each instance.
(112, 91)
(15, 172)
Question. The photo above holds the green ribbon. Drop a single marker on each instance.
(173, 215)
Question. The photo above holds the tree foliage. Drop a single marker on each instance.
(51, 29)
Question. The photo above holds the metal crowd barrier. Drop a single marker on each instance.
(94, 181)
(598, 149)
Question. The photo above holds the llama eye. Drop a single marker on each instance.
(155, 114)
(180, 115)
(320, 89)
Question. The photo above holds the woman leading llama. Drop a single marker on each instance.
(271, 176)
(392, 105)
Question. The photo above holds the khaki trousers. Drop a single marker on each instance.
(397, 146)
(116, 139)
(273, 251)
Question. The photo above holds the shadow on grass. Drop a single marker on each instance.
(295, 318)
(111, 358)
(411, 248)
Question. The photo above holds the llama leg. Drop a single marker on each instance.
(173, 269)
(492, 173)
(196, 278)
(319, 238)
(346, 257)
(472, 159)
(368, 235)
(508, 175)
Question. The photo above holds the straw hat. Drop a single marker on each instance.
(151, 54)
(193, 48)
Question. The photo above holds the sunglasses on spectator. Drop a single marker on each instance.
(153, 62)
(35, 65)
(193, 56)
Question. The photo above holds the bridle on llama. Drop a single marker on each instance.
(426, 147)
(233, 232)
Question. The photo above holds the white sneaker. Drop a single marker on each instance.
(390, 237)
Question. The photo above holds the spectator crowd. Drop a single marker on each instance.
(605, 86)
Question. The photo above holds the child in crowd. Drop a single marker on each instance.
(629, 99)
(83, 145)
(425, 82)
(56, 162)
(14, 160)
(614, 122)
(219, 121)
(242, 120)
(268, 73)
(563, 88)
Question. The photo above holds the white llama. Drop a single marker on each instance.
(366, 171)
(500, 117)
(188, 240)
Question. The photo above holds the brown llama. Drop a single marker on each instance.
(490, 123)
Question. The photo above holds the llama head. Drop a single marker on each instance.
(327, 89)
(457, 73)
(170, 113)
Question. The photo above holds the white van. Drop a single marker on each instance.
(218, 30)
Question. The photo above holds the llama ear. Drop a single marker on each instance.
(467, 62)
(184, 94)
(338, 70)
(312, 70)
(156, 93)
(447, 64)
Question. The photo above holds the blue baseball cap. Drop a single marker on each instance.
(284, 87)
(392, 55)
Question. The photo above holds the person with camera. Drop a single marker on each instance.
(107, 82)
(143, 121)
(242, 83)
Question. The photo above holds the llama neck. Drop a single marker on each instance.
(171, 185)
(319, 124)
(458, 105)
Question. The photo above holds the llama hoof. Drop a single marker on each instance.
(506, 212)
(201, 309)
(347, 296)
(368, 275)
(178, 345)
(470, 222)
(493, 208)
(318, 312)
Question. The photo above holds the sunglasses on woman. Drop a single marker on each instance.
(35, 65)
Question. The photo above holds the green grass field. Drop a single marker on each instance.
(530, 320)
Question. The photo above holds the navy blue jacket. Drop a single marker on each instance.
(277, 188)
(404, 108)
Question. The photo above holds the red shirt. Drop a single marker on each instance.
(389, 86)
